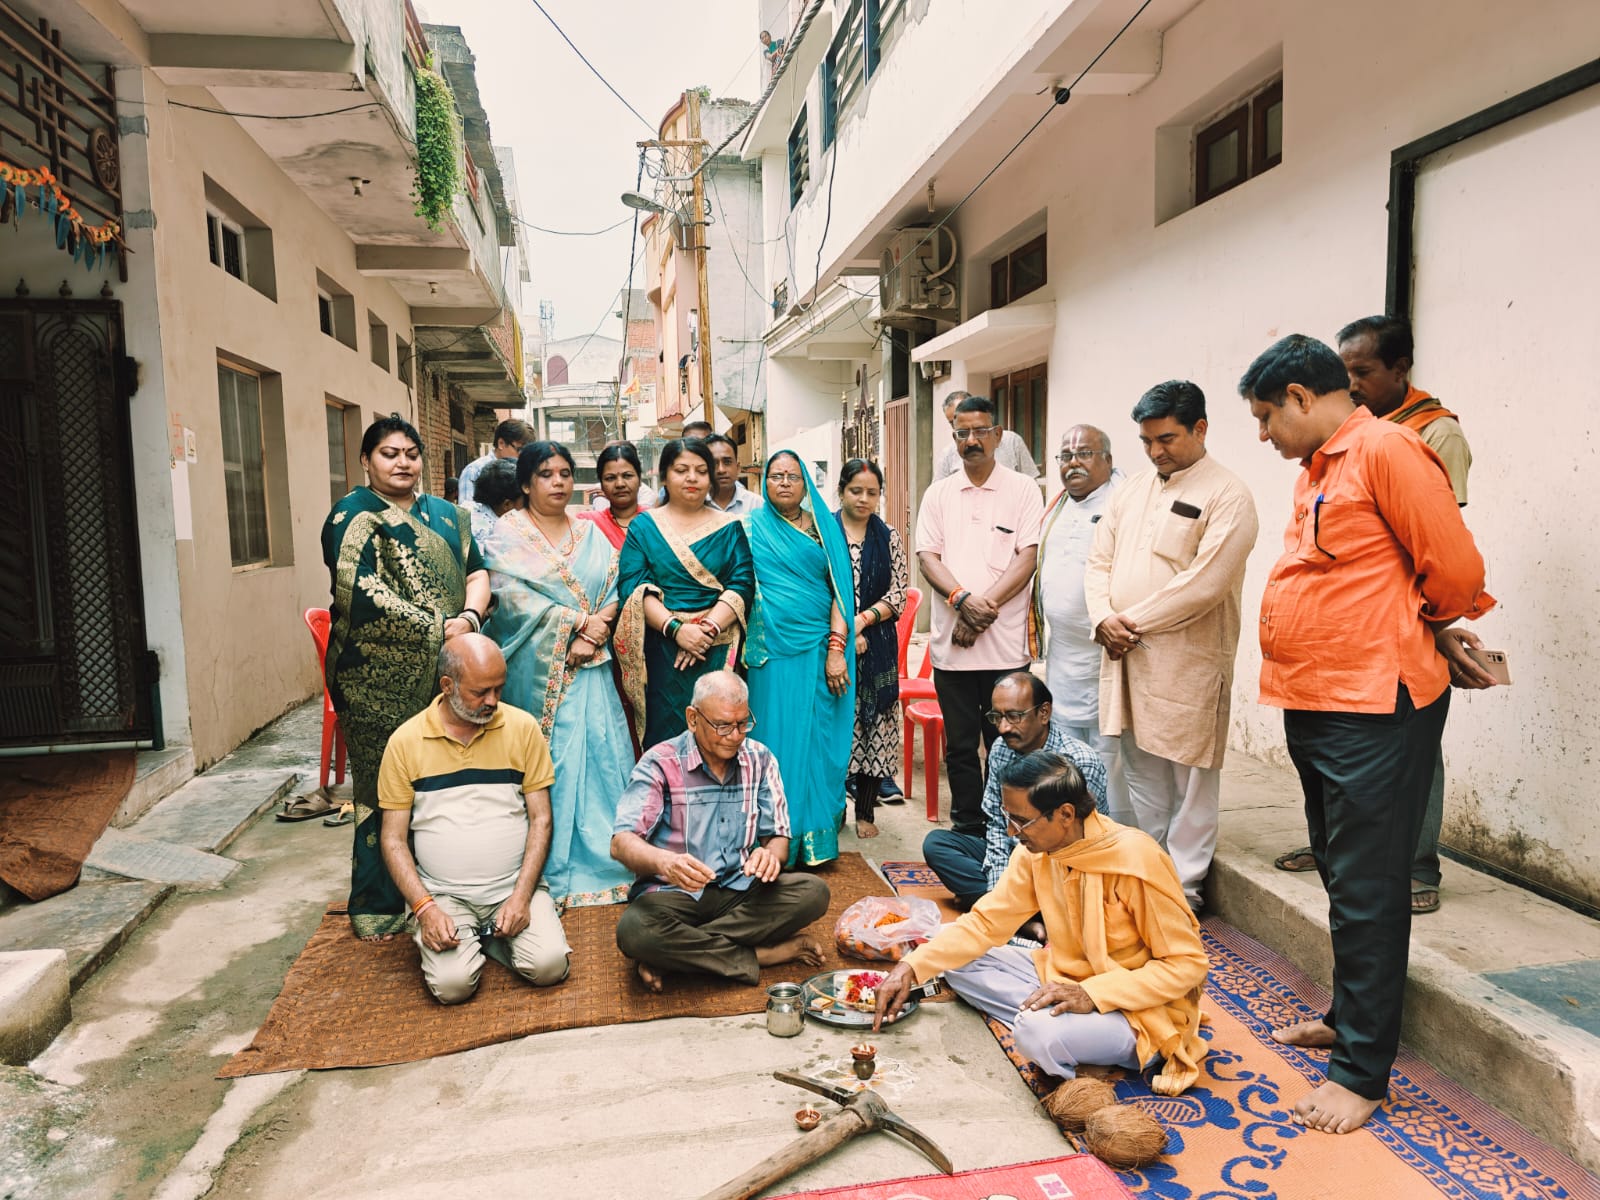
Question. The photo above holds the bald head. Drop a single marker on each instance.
(472, 671)
(467, 652)
(1085, 460)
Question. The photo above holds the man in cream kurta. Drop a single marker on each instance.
(1163, 587)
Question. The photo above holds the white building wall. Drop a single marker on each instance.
(1302, 248)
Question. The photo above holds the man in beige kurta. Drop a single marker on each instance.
(1162, 589)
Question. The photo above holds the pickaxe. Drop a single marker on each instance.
(860, 1112)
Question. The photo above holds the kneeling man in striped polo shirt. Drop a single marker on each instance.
(467, 780)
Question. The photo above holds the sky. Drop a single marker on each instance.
(574, 140)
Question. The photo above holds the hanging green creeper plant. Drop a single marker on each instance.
(438, 148)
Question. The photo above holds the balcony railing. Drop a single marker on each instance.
(58, 117)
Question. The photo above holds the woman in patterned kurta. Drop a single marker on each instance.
(878, 563)
(405, 576)
(555, 587)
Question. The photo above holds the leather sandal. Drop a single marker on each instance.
(1286, 862)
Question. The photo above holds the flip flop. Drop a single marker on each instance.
(346, 814)
(304, 808)
(1284, 861)
(1427, 906)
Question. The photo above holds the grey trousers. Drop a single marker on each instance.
(718, 933)
(539, 953)
(998, 983)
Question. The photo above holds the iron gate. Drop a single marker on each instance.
(73, 662)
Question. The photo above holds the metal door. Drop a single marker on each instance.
(73, 662)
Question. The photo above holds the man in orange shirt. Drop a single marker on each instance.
(1377, 353)
(1375, 557)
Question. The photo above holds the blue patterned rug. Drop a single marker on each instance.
(1230, 1137)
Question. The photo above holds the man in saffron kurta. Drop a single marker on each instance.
(1163, 586)
(1119, 982)
(1375, 558)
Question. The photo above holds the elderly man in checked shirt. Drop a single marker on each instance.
(704, 825)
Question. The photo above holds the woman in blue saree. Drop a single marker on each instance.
(555, 587)
(405, 576)
(802, 654)
(687, 586)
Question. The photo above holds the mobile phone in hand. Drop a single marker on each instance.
(1492, 661)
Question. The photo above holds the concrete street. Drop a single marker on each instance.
(125, 1103)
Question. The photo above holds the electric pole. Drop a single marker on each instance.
(699, 225)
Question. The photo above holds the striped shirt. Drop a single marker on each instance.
(998, 842)
(469, 811)
(677, 805)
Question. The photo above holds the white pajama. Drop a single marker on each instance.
(997, 984)
(1176, 805)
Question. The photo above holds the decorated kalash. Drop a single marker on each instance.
(36, 188)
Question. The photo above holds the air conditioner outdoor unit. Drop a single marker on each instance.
(918, 277)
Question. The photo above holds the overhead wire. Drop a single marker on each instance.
(595, 71)
(569, 232)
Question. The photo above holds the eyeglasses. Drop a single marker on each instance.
(1010, 716)
(727, 728)
(1023, 826)
(786, 477)
(1076, 454)
(972, 435)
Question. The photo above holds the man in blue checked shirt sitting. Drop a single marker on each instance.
(704, 825)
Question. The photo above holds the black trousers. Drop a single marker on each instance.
(1366, 779)
(964, 696)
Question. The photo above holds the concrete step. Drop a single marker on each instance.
(211, 810)
(90, 922)
(35, 1002)
(133, 857)
(159, 773)
(1502, 992)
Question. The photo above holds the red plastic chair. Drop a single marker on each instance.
(926, 714)
(333, 751)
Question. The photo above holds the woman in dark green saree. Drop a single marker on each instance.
(687, 584)
(406, 575)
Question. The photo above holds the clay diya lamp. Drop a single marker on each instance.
(807, 1118)
(866, 1060)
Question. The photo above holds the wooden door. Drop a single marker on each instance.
(896, 465)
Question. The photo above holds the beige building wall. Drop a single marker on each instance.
(249, 655)
(1505, 314)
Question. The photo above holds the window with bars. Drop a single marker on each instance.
(244, 465)
(238, 241)
(1240, 144)
(225, 240)
(844, 70)
(799, 159)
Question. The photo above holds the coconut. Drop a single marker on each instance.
(1072, 1102)
(1124, 1137)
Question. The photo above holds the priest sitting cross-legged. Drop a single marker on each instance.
(1119, 983)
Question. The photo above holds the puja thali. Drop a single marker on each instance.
(844, 998)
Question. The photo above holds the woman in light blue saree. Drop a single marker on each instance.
(555, 583)
(801, 655)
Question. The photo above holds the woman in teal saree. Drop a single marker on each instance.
(405, 576)
(802, 654)
(687, 586)
(555, 587)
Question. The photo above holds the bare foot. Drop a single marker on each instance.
(377, 937)
(650, 977)
(1311, 1035)
(797, 949)
(1333, 1108)
(866, 829)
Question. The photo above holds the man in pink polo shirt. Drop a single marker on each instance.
(976, 539)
